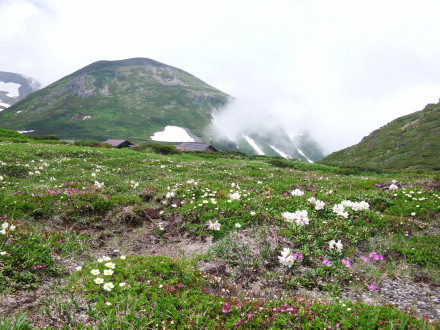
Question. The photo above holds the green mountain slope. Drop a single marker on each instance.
(411, 141)
(126, 99)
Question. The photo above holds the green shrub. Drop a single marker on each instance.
(92, 144)
(164, 149)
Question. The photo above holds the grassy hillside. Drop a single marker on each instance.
(104, 238)
(127, 99)
(411, 141)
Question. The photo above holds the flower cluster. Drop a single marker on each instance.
(372, 255)
(214, 225)
(339, 209)
(297, 192)
(6, 227)
(319, 205)
(393, 187)
(107, 271)
(333, 245)
(299, 217)
(287, 258)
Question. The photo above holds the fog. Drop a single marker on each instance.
(338, 69)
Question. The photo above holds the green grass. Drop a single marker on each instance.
(60, 198)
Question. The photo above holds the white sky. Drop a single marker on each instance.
(340, 68)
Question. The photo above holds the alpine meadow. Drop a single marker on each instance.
(150, 237)
(263, 232)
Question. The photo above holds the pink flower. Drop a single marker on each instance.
(372, 287)
(326, 262)
(376, 256)
(346, 262)
(297, 255)
(365, 259)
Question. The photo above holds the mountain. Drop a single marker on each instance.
(15, 87)
(140, 99)
(126, 99)
(411, 141)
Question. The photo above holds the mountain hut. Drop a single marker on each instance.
(120, 143)
(197, 146)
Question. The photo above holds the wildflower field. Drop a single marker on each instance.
(108, 238)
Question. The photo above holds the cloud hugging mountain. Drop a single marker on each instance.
(136, 98)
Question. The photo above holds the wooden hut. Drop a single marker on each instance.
(197, 146)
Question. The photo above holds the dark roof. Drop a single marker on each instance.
(196, 146)
(116, 143)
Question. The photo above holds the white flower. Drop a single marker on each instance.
(108, 286)
(98, 280)
(5, 225)
(413, 213)
(108, 303)
(12, 228)
(122, 284)
(297, 192)
(95, 272)
(78, 268)
(214, 225)
(105, 258)
(110, 265)
(285, 252)
(237, 225)
(108, 272)
(1, 178)
(393, 187)
(299, 217)
(99, 185)
(359, 206)
(2, 253)
(339, 209)
(169, 195)
(3, 232)
(335, 245)
(288, 216)
(319, 205)
(123, 257)
(235, 196)
(286, 258)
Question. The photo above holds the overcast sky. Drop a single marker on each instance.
(340, 68)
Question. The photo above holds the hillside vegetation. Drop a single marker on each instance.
(411, 141)
(109, 238)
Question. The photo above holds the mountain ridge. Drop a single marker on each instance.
(411, 141)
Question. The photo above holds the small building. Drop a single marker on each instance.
(120, 143)
(197, 146)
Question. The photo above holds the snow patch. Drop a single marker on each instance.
(279, 152)
(302, 154)
(253, 145)
(172, 134)
(11, 88)
(4, 105)
(30, 131)
(18, 111)
(87, 117)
